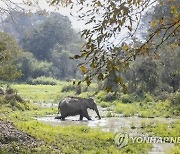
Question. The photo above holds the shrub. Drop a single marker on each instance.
(13, 100)
(148, 98)
(10, 91)
(110, 97)
(78, 89)
(101, 95)
(147, 114)
(175, 100)
(105, 104)
(107, 97)
(68, 88)
(43, 81)
(1, 91)
(162, 96)
(126, 99)
(126, 109)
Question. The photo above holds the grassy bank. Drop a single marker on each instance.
(55, 139)
(67, 139)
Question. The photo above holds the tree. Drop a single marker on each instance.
(109, 18)
(32, 68)
(55, 29)
(170, 61)
(147, 72)
(18, 23)
(108, 49)
(63, 66)
(9, 52)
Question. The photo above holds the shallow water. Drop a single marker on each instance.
(112, 124)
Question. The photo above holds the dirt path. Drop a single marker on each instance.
(10, 134)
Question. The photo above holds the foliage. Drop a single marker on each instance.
(32, 68)
(175, 100)
(18, 22)
(55, 29)
(63, 67)
(160, 75)
(175, 150)
(68, 88)
(109, 114)
(126, 109)
(9, 52)
(107, 97)
(11, 99)
(49, 40)
(106, 51)
(165, 129)
(126, 98)
(43, 81)
(104, 104)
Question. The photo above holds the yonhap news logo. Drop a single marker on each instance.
(122, 139)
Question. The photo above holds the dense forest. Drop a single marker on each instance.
(124, 66)
(45, 42)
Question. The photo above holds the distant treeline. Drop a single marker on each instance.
(47, 42)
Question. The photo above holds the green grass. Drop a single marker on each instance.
(79, 139)
(49, 93)
(83, 139)
(125, 109)
(145, 109)
(105, 104)
(69, 139)
(166, 130)
(42, 93)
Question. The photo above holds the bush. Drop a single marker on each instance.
(43, 81)
(68, 88)
(175, 100)
(105, 104)
(101, 95)
(107, 97)
(126, 99)
(175, 104)
(162, 96)
(13, 100)
(110, 97)
(1, 91)
(148, 98)
(126, 109)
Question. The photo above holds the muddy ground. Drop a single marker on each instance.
(9, 134)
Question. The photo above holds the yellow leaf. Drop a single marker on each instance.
(83, 69)
(125, 47)
(173, 9)
(153, 23)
